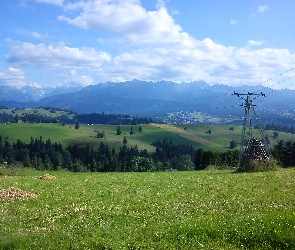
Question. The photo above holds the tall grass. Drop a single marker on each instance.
(165, 210)
(261, 166)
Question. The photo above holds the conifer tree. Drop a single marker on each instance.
(125, 140)
(77, 125)
(119, 131)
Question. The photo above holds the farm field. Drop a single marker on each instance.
(162, 210)
(196, 135)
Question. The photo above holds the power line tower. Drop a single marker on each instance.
(251, 148)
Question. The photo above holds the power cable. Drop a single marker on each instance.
(200, 99)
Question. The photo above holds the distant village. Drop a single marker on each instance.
(193, 117)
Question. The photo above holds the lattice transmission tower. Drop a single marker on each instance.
(251, 148)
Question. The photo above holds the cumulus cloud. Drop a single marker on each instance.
(75, 79)
(206, 61)
(12, 77)
(125, 17)
(169, 53)
(152, 47)
(29, 55)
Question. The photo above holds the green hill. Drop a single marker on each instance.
(195, 135)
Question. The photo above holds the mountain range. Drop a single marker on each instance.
(146, 98)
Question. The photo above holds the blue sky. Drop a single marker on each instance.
(84, 42)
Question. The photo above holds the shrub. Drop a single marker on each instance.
(76, 167)
(100, 134)
(211, 168)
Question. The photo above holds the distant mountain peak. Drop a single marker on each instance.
(146, 98)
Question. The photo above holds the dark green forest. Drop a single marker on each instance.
(46, 155)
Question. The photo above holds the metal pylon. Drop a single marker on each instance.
(249, 116)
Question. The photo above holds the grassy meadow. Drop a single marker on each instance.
(87, 134)
(162, 210)
(222, 135)
(196, 135)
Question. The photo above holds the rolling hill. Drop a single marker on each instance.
(195, 135)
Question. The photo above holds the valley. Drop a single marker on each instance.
(169, 102)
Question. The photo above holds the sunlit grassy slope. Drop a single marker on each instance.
(196, 135)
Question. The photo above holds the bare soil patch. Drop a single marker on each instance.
(16, 194)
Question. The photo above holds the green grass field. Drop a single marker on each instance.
(195, 135)
(222, 135)
(87, 134)
(163, 210)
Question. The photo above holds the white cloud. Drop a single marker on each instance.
(38, 35)
(34, 85)
(202, 60)
(154, 48)
(175, 12)
(233, 22)
(262, 8)
(169, 53)
(113, 16)
(125, 17)
(13, 77)
(74, 80)
(28, 55)
(161, 3)
(254, 43)
(55, 2)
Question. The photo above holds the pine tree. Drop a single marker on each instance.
(77, 125)
(125, 140)
(119, 131)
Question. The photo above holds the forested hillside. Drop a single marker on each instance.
(56, 115)
(47, 155)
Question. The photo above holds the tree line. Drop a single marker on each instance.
(102, 118)
(284, 153)
(47, 155)
(93, 118)
(279, 128)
